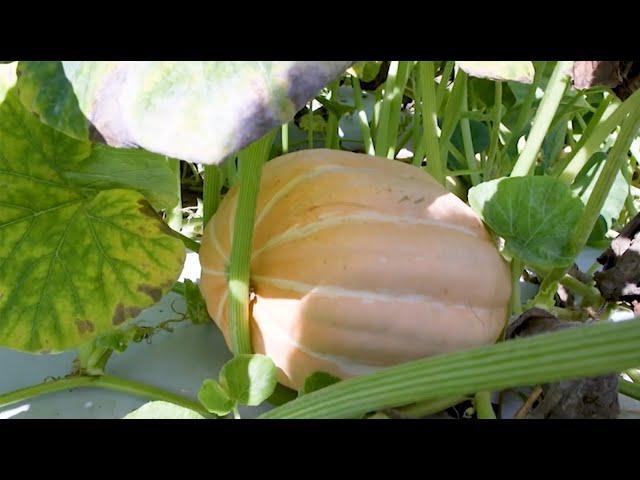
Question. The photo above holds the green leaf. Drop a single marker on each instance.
(148, 173)
(73, 265)
(535, 215)
(520, 71)
(45, 91)
(249, 379)
(552, 144)
(520, 92)
(195, 111)
(614, 203)
(365, 71)
(479, 137)
(159, 410)
(8, 78)
(584, 351)
(215, 398)
(317, 381)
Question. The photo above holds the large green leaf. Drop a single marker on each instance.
(535, 215)
(195, 111)
(519, 71)
(74, 263)
(149, 173)
(46, 91)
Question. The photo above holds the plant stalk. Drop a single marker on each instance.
(107, 382)
(543, 118)
(251, 160)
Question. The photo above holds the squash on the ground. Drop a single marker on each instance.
(358, 263)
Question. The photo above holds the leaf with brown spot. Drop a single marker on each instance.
(154, 292)
(119, 315)
(84, 326)
(197, 111)
(69, 253)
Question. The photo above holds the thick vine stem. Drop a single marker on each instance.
(106, 382)
(251, 160)
(575, 352)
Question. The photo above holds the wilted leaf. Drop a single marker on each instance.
(586, 74)
(46, 91)
(520, 71)
(249, 379)
(159, 410)
(535, 215)
(73, 264)
(195, 111)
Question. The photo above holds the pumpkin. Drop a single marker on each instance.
(358, 263)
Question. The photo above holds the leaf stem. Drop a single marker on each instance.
(188, 242)
(331, 139)
(236, 413)
(525, 110)
(107, 382)
(604, 122)
(251, 160)
(211, 191)
(284, 136)
(362, 117)
(589, 294)
(495, 132)
(543, 118)
(442, 86)
(430, 407)
(514, 300)
(174, 215)
(430, 140)
(467, 140)
(629, 389)
(482, 404)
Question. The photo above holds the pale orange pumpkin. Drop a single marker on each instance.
(358, 263)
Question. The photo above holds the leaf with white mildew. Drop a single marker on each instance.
(192, 110)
